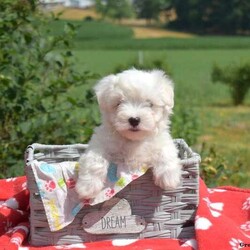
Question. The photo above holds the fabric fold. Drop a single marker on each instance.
(56, 185)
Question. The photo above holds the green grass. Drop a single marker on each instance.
(205, 43)
(94, 35)
(89, 31)
(191, 70)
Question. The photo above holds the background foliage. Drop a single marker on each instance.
(46, 86)
(212, 16)
(237, 77)
(95, 30)
(216, 170)
(35, 83)
(116, 9)
(224, 17)
(149, 9)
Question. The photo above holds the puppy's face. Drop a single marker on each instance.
(136, 103)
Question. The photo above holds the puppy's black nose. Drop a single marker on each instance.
(134, 121)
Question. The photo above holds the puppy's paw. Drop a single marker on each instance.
(169, 179)
(88, 189)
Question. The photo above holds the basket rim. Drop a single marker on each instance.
(193, 158)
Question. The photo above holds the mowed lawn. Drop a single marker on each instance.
(223, 126)
(190, 69)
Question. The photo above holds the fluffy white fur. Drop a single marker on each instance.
(148, 98)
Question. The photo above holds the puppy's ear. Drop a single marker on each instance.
(103, 90)
(167, 89)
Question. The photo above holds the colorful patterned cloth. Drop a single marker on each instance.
(222, 222)
(56, 184)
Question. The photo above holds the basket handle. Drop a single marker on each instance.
(29, 153)
(183, 146)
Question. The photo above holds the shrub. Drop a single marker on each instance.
(147, 65)
(237, 77)
(36, 80)
(186, 124)
(215, 170)
(92, 30)
(115, 9)
(88, 19)
(127, 43)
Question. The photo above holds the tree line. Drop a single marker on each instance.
(226, 17)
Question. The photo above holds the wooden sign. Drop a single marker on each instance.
(115, 217)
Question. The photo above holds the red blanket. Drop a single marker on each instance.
(222, 222)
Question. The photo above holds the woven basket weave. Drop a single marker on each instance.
(168, 214)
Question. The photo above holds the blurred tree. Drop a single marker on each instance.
(150, 9)
(115, 9)
(212, 16)
(35, 82)
(237, 77)
(189, 14)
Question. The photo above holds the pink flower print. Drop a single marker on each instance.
(50, 185)
(110, 192)
(135, 176)
(70, 183)
(86, 202)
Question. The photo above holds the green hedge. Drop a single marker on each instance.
(167, 43)
(104, 35)
(93, 30)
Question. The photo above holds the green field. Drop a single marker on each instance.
(224, 127)
(94, 35)
(205, 43)
(93, 30)
(190, 69)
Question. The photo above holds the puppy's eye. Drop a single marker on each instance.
(150, 104)
(119, 103)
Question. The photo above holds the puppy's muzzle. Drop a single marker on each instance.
(134, 121)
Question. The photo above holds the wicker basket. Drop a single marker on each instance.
(168, 214)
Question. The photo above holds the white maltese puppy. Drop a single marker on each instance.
(135, 107)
